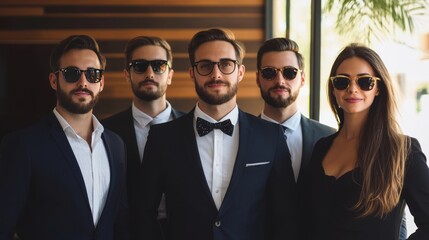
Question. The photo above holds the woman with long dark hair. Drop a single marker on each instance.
(361, 177)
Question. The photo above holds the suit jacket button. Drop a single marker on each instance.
(217, 223)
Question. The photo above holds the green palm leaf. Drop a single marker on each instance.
(362, 20)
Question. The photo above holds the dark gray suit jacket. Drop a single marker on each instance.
(43, 194)
(260, 200)
(312, 131)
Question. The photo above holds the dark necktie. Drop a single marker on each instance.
(284, 131)
(204, 127)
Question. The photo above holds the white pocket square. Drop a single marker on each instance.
(256, 164)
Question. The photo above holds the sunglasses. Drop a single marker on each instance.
(225, 65)
(73, 74)
(140, 66)
(289, 73)
(365, 82)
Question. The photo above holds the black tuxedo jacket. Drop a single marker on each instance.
(43, 195)
(260, 200)
(122, 123)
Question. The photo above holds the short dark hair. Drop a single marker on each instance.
(139, 41)
(215, 34)
(280, 45)
(75, 42)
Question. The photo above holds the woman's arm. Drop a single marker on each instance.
(416, 190)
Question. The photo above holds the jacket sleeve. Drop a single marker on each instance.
(15, 176)
(416, 190)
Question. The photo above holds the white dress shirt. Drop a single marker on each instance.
(93, 164)
(218, 152)
(142, 123)
(294, 139)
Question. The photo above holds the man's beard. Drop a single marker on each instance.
(279, 102)
(66, 100)
(147, 95)
(216, 99)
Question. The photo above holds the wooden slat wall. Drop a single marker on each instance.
(133, 2)
(36, 25)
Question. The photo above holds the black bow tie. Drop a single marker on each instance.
(204, 127)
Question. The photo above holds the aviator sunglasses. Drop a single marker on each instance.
(141, 65)
(73, 74)
(365, 82)
(289, 73)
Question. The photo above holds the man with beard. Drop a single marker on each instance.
(64, 177)
(225, 173)
(149, 70)
(280, 77)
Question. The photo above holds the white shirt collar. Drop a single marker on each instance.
(233, 115)
(143, 119)
(291, 124)
(98, 128)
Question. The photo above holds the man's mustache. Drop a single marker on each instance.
(148, 80)
(276, 87)
(215, 82)
(81, 89)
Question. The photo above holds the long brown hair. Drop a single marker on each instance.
(382, 149)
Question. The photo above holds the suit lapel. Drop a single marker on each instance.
(240, 163)
(61, 140)
(192, 153)
(307, 136)
(129, 134)
(176, 114)
(113, 171)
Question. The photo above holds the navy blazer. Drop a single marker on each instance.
(122, 123)
(260, 200)
(43, 195)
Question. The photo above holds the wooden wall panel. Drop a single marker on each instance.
(134, 2)
(29, 30)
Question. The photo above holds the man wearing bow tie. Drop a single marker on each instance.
(225, 173)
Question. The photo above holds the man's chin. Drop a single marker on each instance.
(147, 97)
(80, 107)
(78, 110)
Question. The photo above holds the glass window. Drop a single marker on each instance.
(300, 30)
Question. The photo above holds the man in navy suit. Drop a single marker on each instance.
(280, 77)
(225, 173)
(149, 63)
(64, 177)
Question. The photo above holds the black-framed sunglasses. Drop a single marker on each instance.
(140, 65)
(225, 65)
(73, 74)
(289, 73)
(365, 82)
